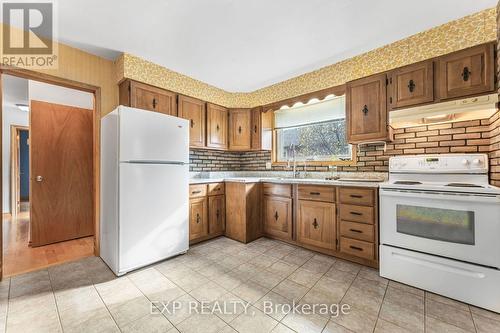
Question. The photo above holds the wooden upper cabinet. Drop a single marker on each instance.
(194, 110)
(239, 129)
(146, 97)
(256, 123)
(316, 224)
(411, 85)
(467, 72)
(366, 109)
(216, 126)
(277, 217)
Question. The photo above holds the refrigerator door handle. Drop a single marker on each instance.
(154, 162)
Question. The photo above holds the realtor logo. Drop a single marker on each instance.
(28, 34)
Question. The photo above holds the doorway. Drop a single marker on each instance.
(51, 216)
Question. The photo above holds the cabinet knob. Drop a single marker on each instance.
(276, 215)
(198, 218)
(365, 110)
(192, 123)
(466, 73)
(217, 213)
(411, 85)
(255, 129)
(217, 127)
(239, 129)
(154, 103)
(315, 224)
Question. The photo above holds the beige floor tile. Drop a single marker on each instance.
(316, 266)
(212, 270)
(369, 285)
(347, 266)
(306, 323)
(33, 313)
(356, 320)
(195, 262)
(181, 311)
(412, 301)
(340, 276)
(130, 311)
(30, 284)
(267, 279)
(80, 299)
(449, 314)
(248, 270)
(118, 291)
(231, 262)
(406, 288)
(304, 277)
(333, 327)
(229, 306)
(96, 320)
(274, 305)
(201, 323)
(149, 323)
(324, 258)
(155, 285)
(384, 326)
(97, 270)
(363, 300)
(290, 290)
(280, 328)
(208, 292)
(230, 280)
(278, 253)
(402, 317)
(436, 326)
(333, 287)
(69, 275)
(189, 280)
(253, 321)
(484, 313)
(372, 275)
(294, 260)
(250, 291)
(263, 261)
(448, 301)
(486, 324)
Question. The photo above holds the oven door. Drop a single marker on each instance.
(462, 226)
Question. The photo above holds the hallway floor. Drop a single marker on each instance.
(19, 258)
(85, 296)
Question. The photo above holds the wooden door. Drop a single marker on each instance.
(467, 72)
(216, 126)
(316, 224)
(61, 177)
(411, 85)
(366, 109)
(239, 129)
(278, 217)
(143, 96)
(198, 226)
(217, 214)
(193, 110)
(256, 143)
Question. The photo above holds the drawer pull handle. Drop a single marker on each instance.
(276, 216)
(357, 196)
(198, 218)
(314, 193)
(196, 192)
(356, 230)
(315, 224)
(356, 213)
(356, 248)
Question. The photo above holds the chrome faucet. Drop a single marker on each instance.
(295, 172)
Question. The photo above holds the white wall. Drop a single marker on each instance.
(45, 92)
(11, 116)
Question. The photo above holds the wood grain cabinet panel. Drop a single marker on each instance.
(360, 231)
(256, 127)
(357, 196)
(281, 190)
(239, 129)
(359, 214)
(198, 224)
(217, 122)
(366, 109)
(216, 188)
(194, 110)
(316, 224)
(277, 216)
(197, 190)
(146, 97)
(217, 215)
(467, 72)
(316, 193)
(411, 85)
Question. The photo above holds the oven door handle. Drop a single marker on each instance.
(441, 195)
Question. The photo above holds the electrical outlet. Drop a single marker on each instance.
(268, 165)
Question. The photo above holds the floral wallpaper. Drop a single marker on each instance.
(468, 31)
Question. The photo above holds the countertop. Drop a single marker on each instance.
(313, 181)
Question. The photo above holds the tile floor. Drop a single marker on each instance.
(84, 296)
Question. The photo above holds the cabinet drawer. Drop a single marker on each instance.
(215, 188)
(357, 196)
(198, 190)
(316, 193)
(282, 190)
(361, 231)
(353, 213)
(357, 248)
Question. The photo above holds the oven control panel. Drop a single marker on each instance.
(445, 163)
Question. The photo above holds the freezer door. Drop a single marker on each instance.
(153, 213)
(152, 136)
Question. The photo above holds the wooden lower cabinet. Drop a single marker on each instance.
(198, 221)
(316, 224)
(277, 217)
(243, 211)
(217, 216)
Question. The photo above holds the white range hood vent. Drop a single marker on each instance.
(480, 107)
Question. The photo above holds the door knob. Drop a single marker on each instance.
(39, 178)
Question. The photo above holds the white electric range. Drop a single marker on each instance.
(440, 227)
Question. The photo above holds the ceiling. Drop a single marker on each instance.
(241, 46)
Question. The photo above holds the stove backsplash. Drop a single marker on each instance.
(474, 136)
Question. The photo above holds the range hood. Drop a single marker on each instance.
(480, 107)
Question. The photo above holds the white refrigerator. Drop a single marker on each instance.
(144, 188)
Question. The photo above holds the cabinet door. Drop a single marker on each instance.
(143, 96)
(278, 217)
(216, 126)
(256, 143)
(467, 72)
(239, 129)
(198, 226)
(366, 109)
(411, 85)
(194, 110)
(316, 224)
(217, 214)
